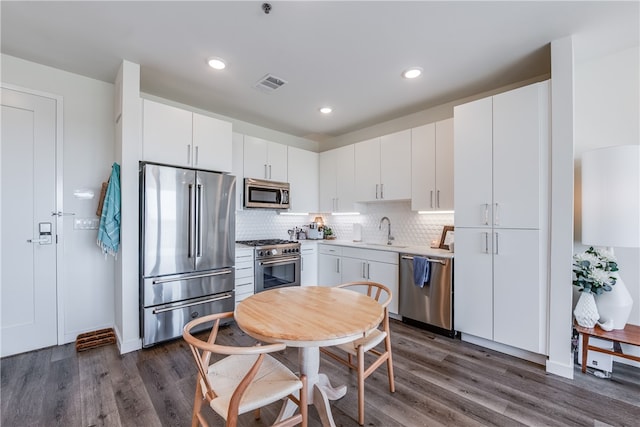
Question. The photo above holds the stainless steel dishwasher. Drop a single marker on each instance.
(431, 305)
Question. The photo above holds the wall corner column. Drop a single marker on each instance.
(128, 122)
(560, 360)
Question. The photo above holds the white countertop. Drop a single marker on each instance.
(396, 247)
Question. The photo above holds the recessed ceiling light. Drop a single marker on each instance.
(412, 73)
(326, 110)
(217, 63)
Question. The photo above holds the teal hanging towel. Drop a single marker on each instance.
(109, 229)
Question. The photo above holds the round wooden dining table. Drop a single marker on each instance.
(310, 317)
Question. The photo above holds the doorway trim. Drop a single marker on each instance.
(59, 199)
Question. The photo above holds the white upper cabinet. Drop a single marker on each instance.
(303, 173)
(337, 180)
(179, 137)
(500, 154)
(432, 166)
(395, 170)
(166, 134)
(212, 143)
(473, 130)
(382, 168)
(264, 159)
(367, 168)
(520, 153)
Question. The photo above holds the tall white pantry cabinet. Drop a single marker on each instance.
(501, 178)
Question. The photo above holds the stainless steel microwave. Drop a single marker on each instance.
(259, 193)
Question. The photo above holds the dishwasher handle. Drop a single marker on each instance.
(439, 261)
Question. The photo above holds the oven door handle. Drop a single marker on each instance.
(181, 306)
(279, 261)
(194, 276)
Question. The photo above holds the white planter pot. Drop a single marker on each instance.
(615, 305)
(586, 311)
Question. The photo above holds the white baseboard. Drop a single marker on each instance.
(540, 359)
(127, 346)
(560, 369)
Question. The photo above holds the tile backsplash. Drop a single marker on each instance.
(408, 227)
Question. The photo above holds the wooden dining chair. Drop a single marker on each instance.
(368, 343)
(247, 379)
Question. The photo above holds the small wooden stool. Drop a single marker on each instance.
(629, 335)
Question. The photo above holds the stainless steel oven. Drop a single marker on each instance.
(277, 263)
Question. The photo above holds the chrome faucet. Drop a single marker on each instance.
(389, 236)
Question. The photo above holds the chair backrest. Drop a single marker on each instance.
(377, 291)
(202, 351)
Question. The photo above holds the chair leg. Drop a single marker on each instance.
(304, 401)
(360, 386)
(197, 406)
(392, 385)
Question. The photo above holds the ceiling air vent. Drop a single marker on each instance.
(270, 83)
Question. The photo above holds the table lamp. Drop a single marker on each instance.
(611, 215)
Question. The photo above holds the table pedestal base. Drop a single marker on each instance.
(319, 389)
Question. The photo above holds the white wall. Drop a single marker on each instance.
(88, 153)
(607, 113)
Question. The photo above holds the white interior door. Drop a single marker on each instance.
(28, 287)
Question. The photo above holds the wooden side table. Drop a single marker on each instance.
(629, 335)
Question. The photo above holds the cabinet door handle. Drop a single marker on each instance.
(431, 198)
(196, 162)
(265, 172)
(269, 171)
(486, 214)
(368, 271)
(438, 199)
(382, 191)
(364, 273)
(496, 216)
(376, 191)
(337, 265)
(497, 251)
(189, 153)
(486, 242)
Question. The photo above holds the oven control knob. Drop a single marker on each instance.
(260, 253)
(274, 252)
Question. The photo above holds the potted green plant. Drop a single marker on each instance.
(594, 272)
(328, 232)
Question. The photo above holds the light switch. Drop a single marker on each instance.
(86, 223)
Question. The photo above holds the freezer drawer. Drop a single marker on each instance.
(178, 287)
(433, 303)
(165, 322)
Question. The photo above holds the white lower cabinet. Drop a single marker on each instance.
(346, 264)
(501, 294)
(309, 264)
(244, 283)
(329, 269)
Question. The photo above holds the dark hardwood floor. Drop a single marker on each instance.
(439, 382)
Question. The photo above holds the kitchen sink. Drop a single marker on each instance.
(383, 245)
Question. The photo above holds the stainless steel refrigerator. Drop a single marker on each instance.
(187, 248)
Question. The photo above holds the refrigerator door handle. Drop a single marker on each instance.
(190, 234)
(192, 276)
(199, 302)
(199, 214)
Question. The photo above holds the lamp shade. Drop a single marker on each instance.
(611, 196)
